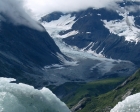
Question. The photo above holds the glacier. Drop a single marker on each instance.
(83, 61)
(130, 104)
(65, 23)
(24, 98)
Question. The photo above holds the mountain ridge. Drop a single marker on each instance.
(24, 52)
(92, 26)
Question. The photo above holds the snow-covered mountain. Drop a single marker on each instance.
(85, 60)
(32, 57)
(108, 33)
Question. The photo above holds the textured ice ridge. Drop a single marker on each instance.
(24, 98)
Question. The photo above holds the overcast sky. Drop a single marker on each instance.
(41, 7)
(22, 11)
(14, 10)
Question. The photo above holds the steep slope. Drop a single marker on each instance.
(111, 33)
(71, 92)
(90, 65)
(25, 51)
(105, 102)
(25, 42)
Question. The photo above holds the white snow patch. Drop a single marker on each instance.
(68, 34)
(89, 50)
(88, 32)
(130, 104)
(95, 54)
(90, 44)
(101, 53)
(64, 63)
(56, 66)
(125, 27)
(62, 24)
(24, 98)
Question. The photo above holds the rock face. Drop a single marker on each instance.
(81, 104)
(27, 45)
(24, 52)
(112, 33)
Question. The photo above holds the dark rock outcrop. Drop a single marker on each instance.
(24, 52)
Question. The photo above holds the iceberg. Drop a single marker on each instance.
(130, 104)
(24, 98)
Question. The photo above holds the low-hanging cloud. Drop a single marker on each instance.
(18, 11)
(15, 12)
(133, 8)
(41, 7)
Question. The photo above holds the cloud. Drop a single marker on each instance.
(42, 7)
(133, 8)
(19, 10)
(15, 12)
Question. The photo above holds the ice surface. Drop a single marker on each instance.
(24, 98)
(130, 104)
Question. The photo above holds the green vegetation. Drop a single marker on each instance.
(104, 102)
(98, 96)
(92, 89)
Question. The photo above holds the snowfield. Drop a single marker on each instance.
(64, 23)
(125, 27)
(24, 98)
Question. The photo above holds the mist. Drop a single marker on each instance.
(23, 12)
(43, 7)
(15, 13)
(133, 8)
(39, 8)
